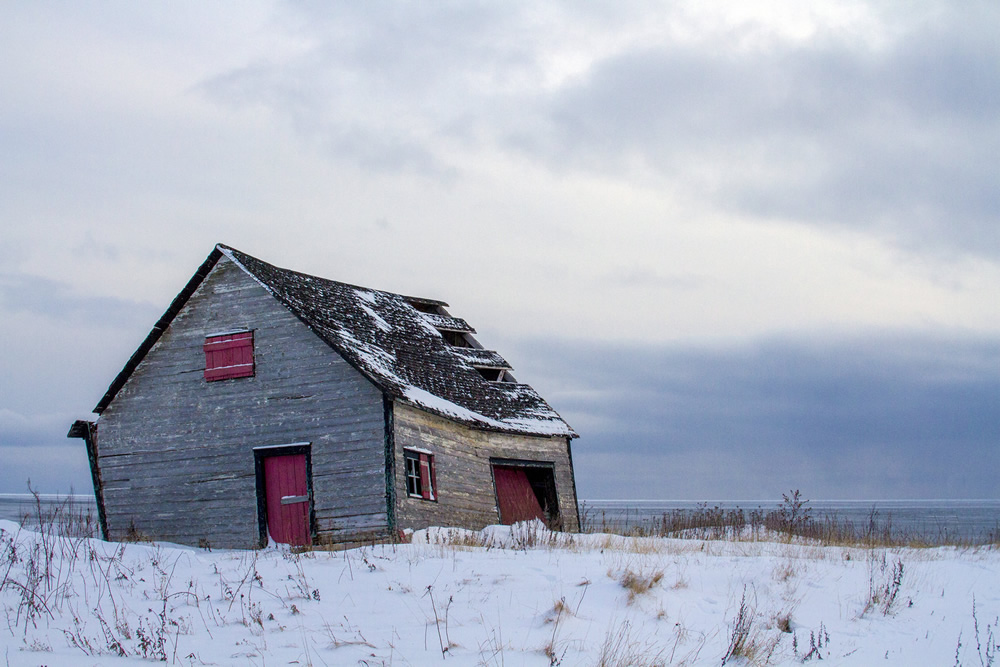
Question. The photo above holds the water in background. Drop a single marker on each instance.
(933, 521)
(23, 508)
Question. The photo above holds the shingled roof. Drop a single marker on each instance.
(391, 340)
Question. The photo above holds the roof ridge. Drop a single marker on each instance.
(229, 251)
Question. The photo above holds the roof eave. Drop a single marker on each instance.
(482, 426)
(423, 300)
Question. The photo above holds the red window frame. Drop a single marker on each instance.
(426, 488)
(229, 355)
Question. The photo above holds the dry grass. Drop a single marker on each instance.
(559, 609)
(884, 583)
(784, 571)
(621, 649)
(792, 521)
(551, 650)
(639, 583)
(748, 642)
(783, 621)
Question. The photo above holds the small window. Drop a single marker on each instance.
(421, 481)
(229, 355)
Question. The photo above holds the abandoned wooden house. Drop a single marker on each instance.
(270, 403)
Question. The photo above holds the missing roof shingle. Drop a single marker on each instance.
(495, 374)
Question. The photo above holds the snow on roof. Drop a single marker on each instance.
(397, 347)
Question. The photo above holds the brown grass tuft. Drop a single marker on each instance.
(638, 583)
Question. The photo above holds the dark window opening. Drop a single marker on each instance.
(456, 338)
(229, 355)
(426, 307)
(421, 479)
(491, 374)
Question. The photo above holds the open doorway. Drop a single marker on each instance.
(526, 490)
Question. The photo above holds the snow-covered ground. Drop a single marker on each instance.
(501, 597)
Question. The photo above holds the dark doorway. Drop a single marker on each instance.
(526, 490)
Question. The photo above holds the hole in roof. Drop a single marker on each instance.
(431, 308)
(491, 374)
(456, 338)
(495, 374)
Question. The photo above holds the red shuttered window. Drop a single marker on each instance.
(420, 478)
(229, 355)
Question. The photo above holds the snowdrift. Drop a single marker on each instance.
(516, 595)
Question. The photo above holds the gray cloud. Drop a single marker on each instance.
(55, 468)
(375, 147)
(19, 430)
(383, 84)
(895, 136)
(876, 417)
(35, 447)
(53, 299)
(899, 140)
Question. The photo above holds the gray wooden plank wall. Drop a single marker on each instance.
(176, 452)
(466, 497)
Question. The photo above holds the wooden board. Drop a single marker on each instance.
(287, 499)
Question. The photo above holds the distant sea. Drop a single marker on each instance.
(15, 506)
(976, 521)
(932, 520)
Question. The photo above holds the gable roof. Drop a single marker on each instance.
(384, 336)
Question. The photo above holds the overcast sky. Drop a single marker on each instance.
(740, 247)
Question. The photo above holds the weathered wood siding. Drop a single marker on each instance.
(466, 497)
(176, 452)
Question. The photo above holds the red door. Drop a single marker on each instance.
(287, 495)
(515, 498)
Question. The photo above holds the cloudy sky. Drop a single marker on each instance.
(741, 247)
